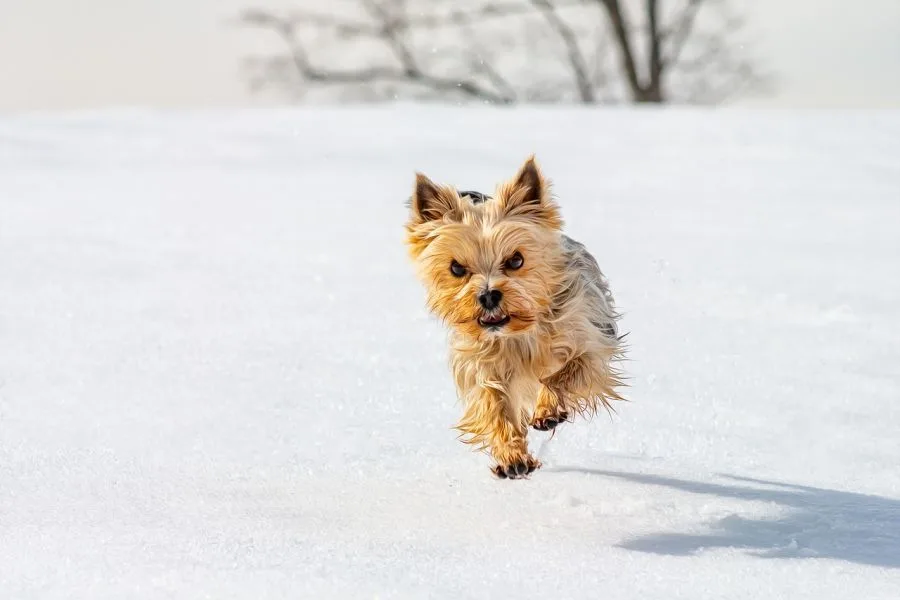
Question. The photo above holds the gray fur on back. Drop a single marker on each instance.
(595, 286)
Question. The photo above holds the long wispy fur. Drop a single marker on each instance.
(556, 355)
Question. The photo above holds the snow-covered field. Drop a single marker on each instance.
(218, 380)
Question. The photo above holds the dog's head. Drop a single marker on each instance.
(491, 268)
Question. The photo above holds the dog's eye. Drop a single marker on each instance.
(515, 262)
(457, 269)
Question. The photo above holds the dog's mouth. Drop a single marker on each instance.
(493, 321)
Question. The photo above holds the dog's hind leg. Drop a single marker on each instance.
(583, 385)
(549, 411)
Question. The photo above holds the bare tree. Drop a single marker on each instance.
(505, 51)
(712, 72)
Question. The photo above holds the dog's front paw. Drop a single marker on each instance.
(518, 468)
(548, 421)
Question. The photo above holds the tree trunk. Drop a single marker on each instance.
(641, 92)
(623, 40)
(649, 95)
(654, 87)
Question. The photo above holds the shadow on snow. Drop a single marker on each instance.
(817, 523)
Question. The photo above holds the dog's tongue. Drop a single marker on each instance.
(492, 319)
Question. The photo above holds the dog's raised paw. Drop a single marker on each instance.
(518, 469)
(550, 421)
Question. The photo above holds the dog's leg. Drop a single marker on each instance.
(513, 459)
(489, 421)
(549, 411)
(583, 385)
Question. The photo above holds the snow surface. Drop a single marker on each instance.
(218, 379)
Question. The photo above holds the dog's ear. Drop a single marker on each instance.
(431, 202)
(528, 195)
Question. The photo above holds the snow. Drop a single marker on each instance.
(218, 378)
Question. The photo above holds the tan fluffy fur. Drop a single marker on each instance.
(556, 356)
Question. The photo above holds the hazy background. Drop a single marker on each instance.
(63, 54)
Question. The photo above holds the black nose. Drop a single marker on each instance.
(490, 299)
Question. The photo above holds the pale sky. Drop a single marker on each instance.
(88, 54)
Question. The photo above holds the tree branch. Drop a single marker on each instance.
(479, 62)
(450, 19)
(599, 74)
(481, 14)
(576, 58)
(680, 32)
(408, 73)
(656, 66)
(390, 33)
(622, 32)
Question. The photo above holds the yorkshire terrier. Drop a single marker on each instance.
(534, 334)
